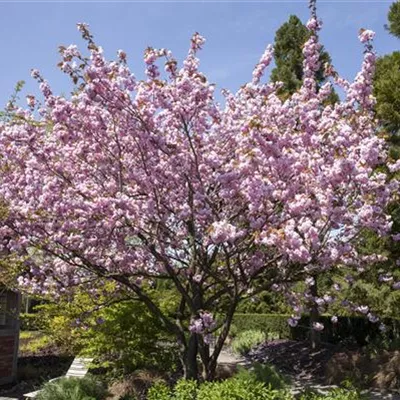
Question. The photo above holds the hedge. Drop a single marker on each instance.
(29, 322)
(348, 327)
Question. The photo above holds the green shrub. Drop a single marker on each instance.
(243, 386)
(30, 322)
(266, 374)
(122, 337)
(87, 388)
(246, 340)
(335, 394)
(239, 388)
(185, 390)
(159, 391)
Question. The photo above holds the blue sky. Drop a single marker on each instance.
(236, 33)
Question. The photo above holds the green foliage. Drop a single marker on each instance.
(394, 19)
(30, 322)
(8, 114)
(289, 41)
(122, 336)
(33, 342)
(266, 374)
(246, 385)
(159, 391)
(335, 394)
(87, 388)
(185, 390)
(238, 388)
(387, 93)
(242, 387)
(246, 340)
(265, 303)
(275, 326)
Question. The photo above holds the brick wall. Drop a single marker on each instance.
(8, 345)
(9, 338)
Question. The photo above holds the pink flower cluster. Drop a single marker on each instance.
(203, 324)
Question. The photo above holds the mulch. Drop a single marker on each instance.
(295, 358)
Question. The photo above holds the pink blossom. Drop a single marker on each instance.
(396, 285)
(222, 231)
(197, 278)
(317, 326)
(31, 101)
(362, 309)
(366, 35)
(394, 167)
(372, 318)
(121, 55)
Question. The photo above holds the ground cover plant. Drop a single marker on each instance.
(141, 182)
(87, 388)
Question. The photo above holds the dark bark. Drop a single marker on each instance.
(189, 361)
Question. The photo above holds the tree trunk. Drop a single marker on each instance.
(204, 350)
(211, 367)
(189, 361)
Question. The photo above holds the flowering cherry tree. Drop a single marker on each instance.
(137, 181)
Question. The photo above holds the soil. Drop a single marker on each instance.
(295, 358)
(331, 364)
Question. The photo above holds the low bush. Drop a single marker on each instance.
(335, 394)
(30, 322)
(243, 386)
(266, 374)
(246, 340)
(236, 388)
(87, 388)
(159, 391)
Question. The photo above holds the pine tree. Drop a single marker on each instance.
(387, 93)
(289, 41)
(394, 19)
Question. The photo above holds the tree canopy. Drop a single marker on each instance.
(145, 181)
(394, 19)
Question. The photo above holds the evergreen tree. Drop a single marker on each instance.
(289, 42)
(387, 93)
(394, 19)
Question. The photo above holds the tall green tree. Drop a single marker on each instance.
(387, 86)
(387, 93)
(289, 42)
(394, 19)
